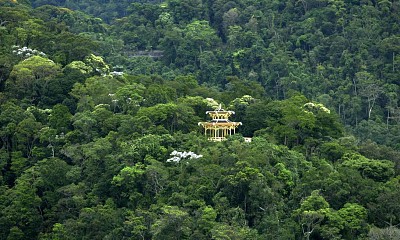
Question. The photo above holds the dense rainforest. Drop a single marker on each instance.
(100, 100)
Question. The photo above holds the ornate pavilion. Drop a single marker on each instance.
(219, 127)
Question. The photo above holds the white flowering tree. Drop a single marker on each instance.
(25, 52)
(315, 107)
(177, 157)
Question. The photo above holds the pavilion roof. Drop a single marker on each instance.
(222, 124)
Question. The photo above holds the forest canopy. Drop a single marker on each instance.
(100, 103)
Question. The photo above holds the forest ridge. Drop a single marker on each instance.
(100, 100)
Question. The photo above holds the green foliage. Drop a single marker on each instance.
(60, 118)
(98, 95)
(31, 78)
(295, 121)
(379, 170)
(386, 233)
(172, 224)
(311, 213)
